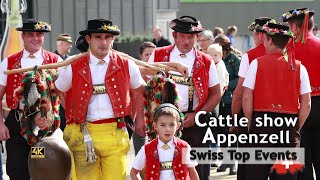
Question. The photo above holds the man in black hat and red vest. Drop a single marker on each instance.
(201, 91)
(306, 47)
(100, 81)
(33, 54)
(258, 35)
(262, 96)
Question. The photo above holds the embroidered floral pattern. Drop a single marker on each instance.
(198, 27)
(112, 28)
(257, 27)
(295, 12)
(273, 31)
(42, 26)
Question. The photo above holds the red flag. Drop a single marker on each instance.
(284, 167)
(295, 167)
(280, 169)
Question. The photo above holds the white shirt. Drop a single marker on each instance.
(183, 89)
(26, 62)
(223, 75)
(244, 66)
(99, 105)
(250, 78)
(164, 155)
(223, 78)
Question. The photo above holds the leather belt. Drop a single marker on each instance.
(105, 121)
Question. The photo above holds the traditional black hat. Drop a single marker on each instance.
(32, 25)
(295, 13)
(186, 24)
(274, 29)
(100, 26)
(258, 23)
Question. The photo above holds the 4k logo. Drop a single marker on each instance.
(37, 152)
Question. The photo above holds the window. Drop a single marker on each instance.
(27, 15)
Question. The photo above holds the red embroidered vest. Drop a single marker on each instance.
(200, 71)
(309, 54)
(277, 87)
(13, 81)
(256, 52)
(117, 82)
(153, 164)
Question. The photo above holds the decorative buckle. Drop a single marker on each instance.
(166, 165)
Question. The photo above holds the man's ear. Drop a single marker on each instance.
(174, 34)
(88, 38)
(268, 40)
(263, 36)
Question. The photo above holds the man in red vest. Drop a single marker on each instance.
(258, 35)
(276, 85)
(307, 47)
(200, 91)
(33, 54)
(100, 82)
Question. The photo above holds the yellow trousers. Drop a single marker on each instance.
(111, 146)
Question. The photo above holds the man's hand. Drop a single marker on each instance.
(41, 122)
(4, 132)
(189, 120)
(183, 70)
(140, 128)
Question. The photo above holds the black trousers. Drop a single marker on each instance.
(309, 140)
(241, 171)
(62, 115)
(17, 150)
(225, 111)
(262, 172)
(194, 136)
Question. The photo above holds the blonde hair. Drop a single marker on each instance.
(216, 47)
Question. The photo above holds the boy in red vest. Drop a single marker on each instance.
(306, 47)
(32, 54)
(276, 85)
(162, 157)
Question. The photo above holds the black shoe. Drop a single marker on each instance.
(222, 168)
(232, 169)
(214, 165)
(233, 172)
